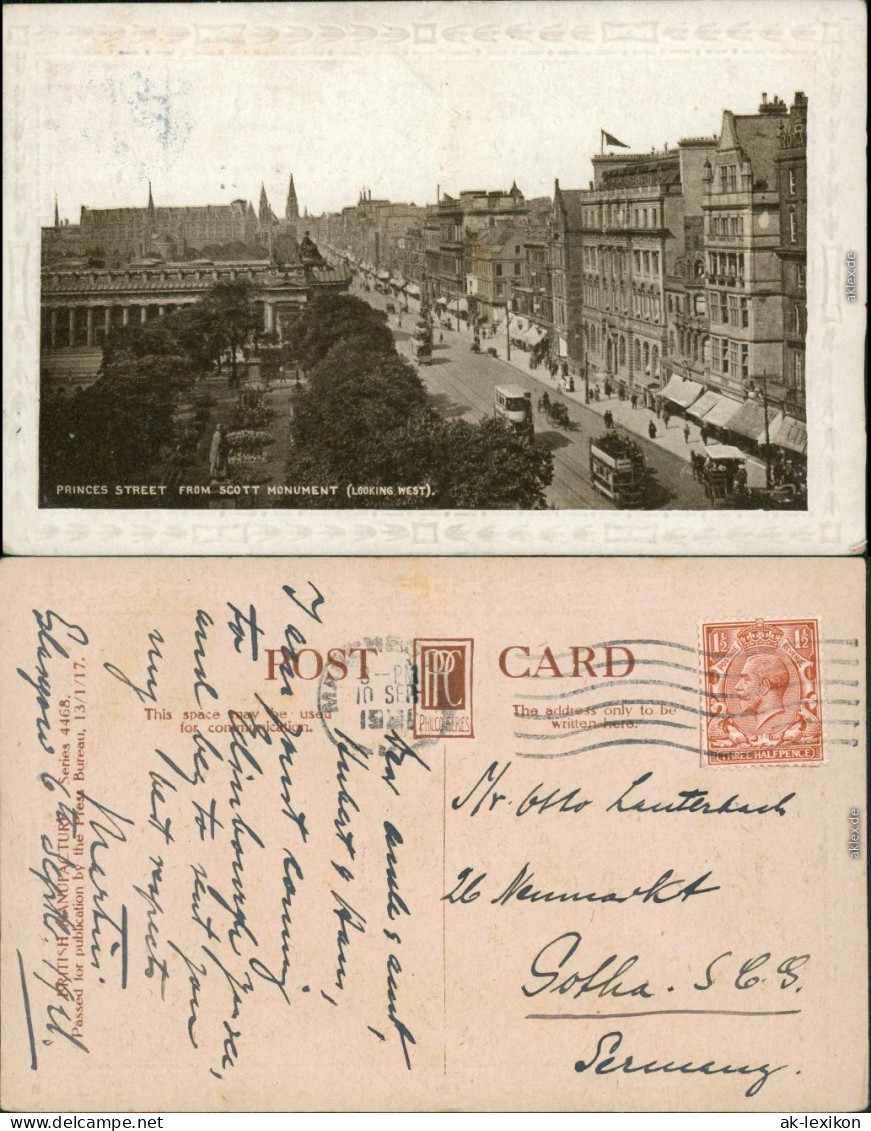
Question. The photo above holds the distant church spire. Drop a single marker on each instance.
(291, 212)
(56, 213)
(264, 210)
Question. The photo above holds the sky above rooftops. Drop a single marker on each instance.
(400, 125)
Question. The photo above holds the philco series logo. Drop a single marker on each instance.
(443, 700)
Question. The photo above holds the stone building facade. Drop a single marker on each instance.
(118, 236)
(629, 219)
(791, 162)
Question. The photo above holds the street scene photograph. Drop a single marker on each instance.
(400, 286)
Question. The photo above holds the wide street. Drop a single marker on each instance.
(462, 385)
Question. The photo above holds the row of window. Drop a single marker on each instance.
(730, 310)
(616, 262)
(727, 264)
(645, 355)
(692, 344)
(620, 216)
(725, 225)
(729, 178)
(726, 357)
(645, 307)
(688, 304)
(731, 359)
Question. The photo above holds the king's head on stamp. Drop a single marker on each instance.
(761, 688)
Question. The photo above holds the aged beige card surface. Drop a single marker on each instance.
(435, 278)
(409, 834)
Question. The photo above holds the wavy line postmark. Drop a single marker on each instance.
(754, 696)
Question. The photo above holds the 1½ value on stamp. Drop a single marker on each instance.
(761, 693)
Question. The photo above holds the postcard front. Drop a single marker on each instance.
(423, 320)
(481, 834)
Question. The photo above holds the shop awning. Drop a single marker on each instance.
(723, 451)
(681, 392)
(384, 276)
(463, 305)
(563, 348)
(786, 432)
(441, 301)
(704, 404)
(723, 413)
(749, 419)
(413, 290)
(534, 335)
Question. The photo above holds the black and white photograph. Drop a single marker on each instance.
(618, 325)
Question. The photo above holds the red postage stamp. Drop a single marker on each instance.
(762, 692)
(443, 695)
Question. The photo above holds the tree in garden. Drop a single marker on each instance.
(365, 418)
(490, 466)
(114, 429)
(330, 319)
(197, 333)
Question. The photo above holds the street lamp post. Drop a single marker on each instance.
(507, 329)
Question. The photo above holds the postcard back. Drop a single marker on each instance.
(405, 834)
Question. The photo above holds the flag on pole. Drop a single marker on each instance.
(609, 139)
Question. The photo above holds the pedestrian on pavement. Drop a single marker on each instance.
(686, 432)
(598, 393)
(651, 430)
(635, 400)
(666, 416)
(609, 419)
(441, 336)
